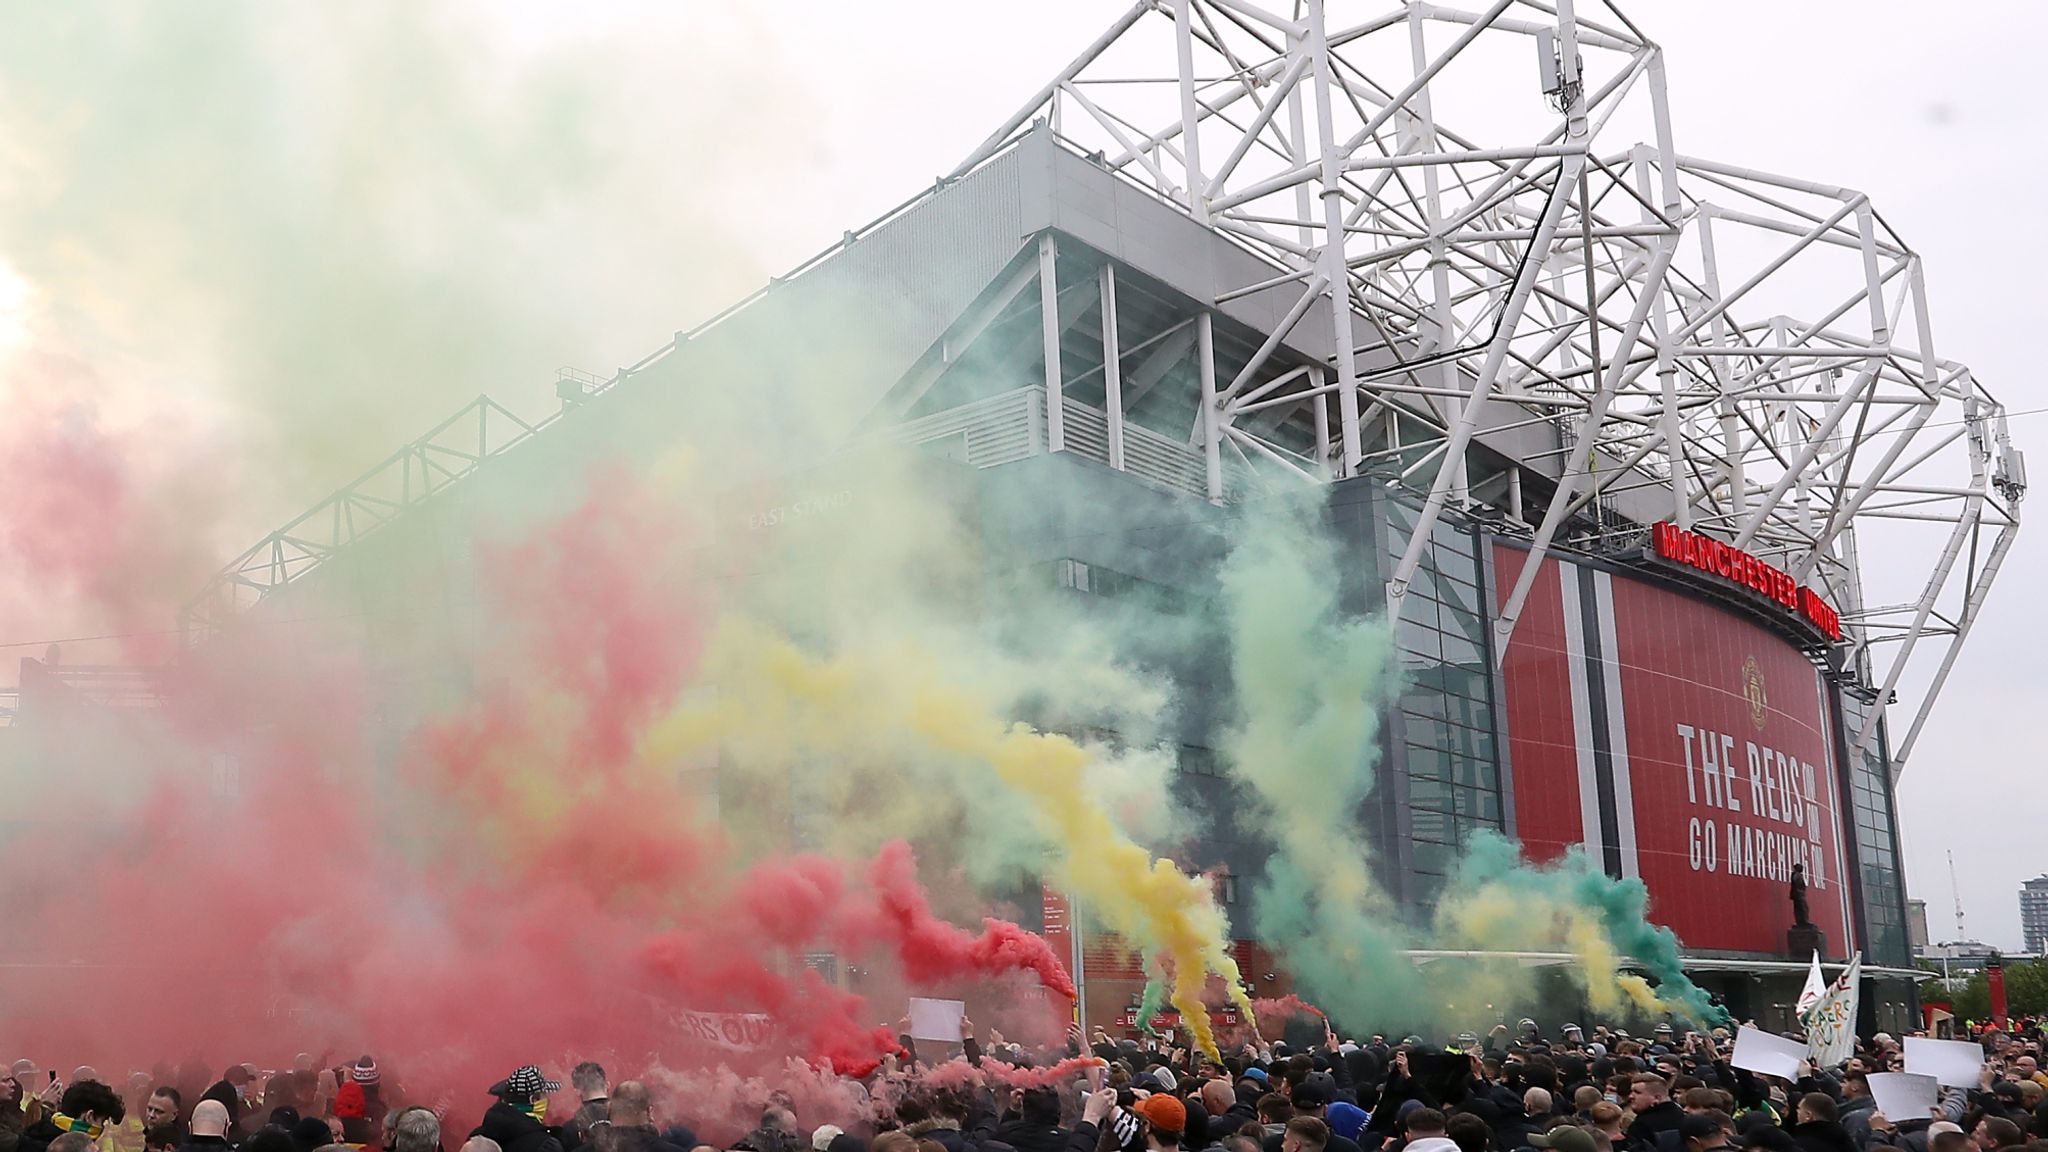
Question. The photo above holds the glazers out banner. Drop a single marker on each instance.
(1680, 743)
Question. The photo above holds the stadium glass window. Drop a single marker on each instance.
(1421, 730)
(1426, 763)
(1196, 760)
(1434, 795)
(1460, 650)
(1419, 639)
(1420, 701)
(1471, 772)
(1464, 622)
(1434, 827)
(1471, 683)
(1430, 858)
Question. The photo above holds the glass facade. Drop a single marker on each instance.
(1875, 841)
(1447, 745)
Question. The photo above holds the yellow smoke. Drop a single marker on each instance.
(770, 702)
(1491, 917)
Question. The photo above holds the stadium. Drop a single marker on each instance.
(1681, 519)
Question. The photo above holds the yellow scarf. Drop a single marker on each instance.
(67, 1124)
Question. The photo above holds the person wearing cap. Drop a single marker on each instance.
(1565, 1138)
(518, 1120)
(1313, 1097)
(1166, 1121)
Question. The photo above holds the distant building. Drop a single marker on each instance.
(1960, 955)
(2034, 913)
(1916, 925)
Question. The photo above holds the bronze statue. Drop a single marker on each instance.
(1800, 915)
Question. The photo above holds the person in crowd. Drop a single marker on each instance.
(209, 1127)
(163, 1117)
(628, 1125)
(778, 1131)
(1032, 1123)
(1468, 1132)
(86, 1106)
(1566, 1138)
(1166, 1120)
(1606, 1119)
(1816, 1126)
(1312, 1097)
(1704, 1131)
(517, 1121)
(1656, 1113)
(1306, 1134)
(309, 1133)
(229, 1092)
(417, 1130)
(1996, 1133)
(1856, 1106)
(593, 1094)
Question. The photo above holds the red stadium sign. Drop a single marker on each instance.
(1729, 563)
(1681, 743)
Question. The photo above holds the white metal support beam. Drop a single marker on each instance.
(1212, 416)
(1049, 316)
(1112, 366)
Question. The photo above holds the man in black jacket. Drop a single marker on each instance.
(209, 1128)
(516, 1120)
(1656, 1113)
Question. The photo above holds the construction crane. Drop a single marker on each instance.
(1957, 889)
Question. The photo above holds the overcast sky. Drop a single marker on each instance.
(759, 133)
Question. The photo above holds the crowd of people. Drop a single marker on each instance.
(1583, 1090)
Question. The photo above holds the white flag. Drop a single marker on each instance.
(1831, 1021)
(1816, 987)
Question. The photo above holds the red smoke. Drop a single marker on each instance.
(932, 949)
(509, 884)
(1284, 1007)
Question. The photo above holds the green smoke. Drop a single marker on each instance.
(1310, 682)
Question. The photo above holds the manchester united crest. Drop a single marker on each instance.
(1753, 691)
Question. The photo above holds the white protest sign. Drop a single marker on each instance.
(1904, 1095)
(936, 1019)
(1771, 1055)
(1953, 1063)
